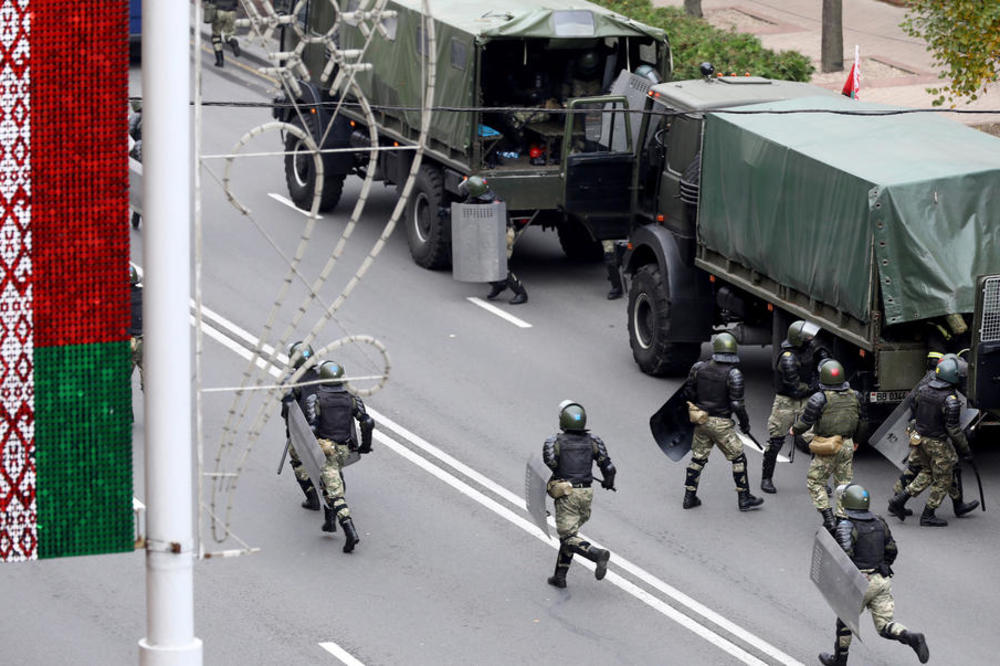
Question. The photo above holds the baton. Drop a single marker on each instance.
(979, 482)
(281, 463)
(755, 442)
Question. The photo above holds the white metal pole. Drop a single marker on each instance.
(166, 156)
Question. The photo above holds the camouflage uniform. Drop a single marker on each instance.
(717, 388)
(330, 410)
(867, 540)
(835, 410)
(223, 27)
(571, 455)
(938, 433)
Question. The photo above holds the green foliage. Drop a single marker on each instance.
(694, 41)
(964, 38)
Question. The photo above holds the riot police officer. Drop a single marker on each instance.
(866, 538)
(716, 388)
(223, 27)
(792, 372)
(937, 433)
(834, 414)
(913, 460)
(329, 411)
(477, 191)
(298, 354)
(571, 455)
(135, 325)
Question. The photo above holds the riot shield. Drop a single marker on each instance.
(306, 446)
(536, 475)
(838, 580)
(635, 89)
(672, 428)
(891, 438)
(479, 242)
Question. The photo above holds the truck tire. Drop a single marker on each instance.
(427, 231)
(649, 327)
(300, 176)
(577, 243)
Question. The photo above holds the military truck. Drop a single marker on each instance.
(761, 202)
(540, 57)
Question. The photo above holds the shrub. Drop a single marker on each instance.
(694, 41)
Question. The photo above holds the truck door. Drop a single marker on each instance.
(984, 364)
(597, 157)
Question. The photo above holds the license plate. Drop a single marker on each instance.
(886, 396)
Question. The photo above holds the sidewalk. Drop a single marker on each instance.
(895, 67)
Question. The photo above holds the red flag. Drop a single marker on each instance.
(853, 84)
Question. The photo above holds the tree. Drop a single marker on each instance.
(693, 7)
(832, 40)
(964, 38)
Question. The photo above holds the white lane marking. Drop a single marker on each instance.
(489, 307)
(750, 446)
(625, 585)
(530, 528)
(286, 202)
(341, 654)
(236, 347)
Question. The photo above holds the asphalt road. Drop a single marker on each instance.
(449, 569)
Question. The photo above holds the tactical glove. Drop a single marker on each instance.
(608, 482)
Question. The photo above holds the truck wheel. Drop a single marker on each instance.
(300, 176)
(577, 243)
(649, 327)
(427, 231)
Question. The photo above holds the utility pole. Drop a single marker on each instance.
(166, 156)
(832, 45)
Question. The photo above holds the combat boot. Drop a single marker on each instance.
(329, 519)
(558, 579)
(598, 556)
(748, 502)
(520, 293)
(917, 642)
(828, 520)
(691, 481)
(312, 500)
(219, 59)
(961, 507)
(613, 277)
(235, 46)
(496, 288)
(928, 519)
(770, 460)
(897, 505)
(350, 534)
(838, 658)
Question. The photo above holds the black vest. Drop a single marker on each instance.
(335, 409)
(576, 457)
(135, 326)
(713, 388)
(799, 360)
(869, 547)
(303, 392)
(929, 410)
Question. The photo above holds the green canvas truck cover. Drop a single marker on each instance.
(460, 28)
(811, 200)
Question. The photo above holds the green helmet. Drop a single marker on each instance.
(572, 416)
(855, 500)
(831, 375)
(133, 275)
(724, 348)
(587, 64)
(948, 370)
(801, 332)
(299, 352)
(332, 372)
(475, 186)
